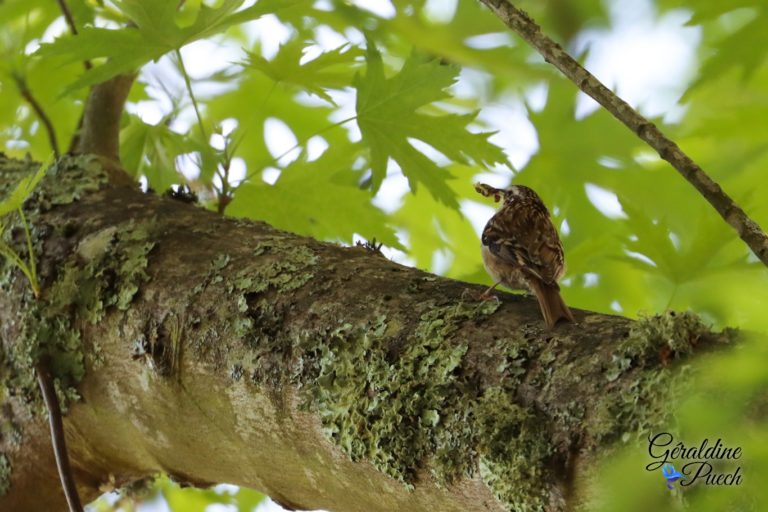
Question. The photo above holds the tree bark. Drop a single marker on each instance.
(224, 350)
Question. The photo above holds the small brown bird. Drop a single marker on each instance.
(521, 249)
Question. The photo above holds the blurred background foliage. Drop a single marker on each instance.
(345, 120)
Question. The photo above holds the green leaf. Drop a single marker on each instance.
(453, 41)
(745, 49)
(187, 13)
(23, 189)
(705, 11)
(190, 499)
(125, 49)
(151, 150)
(330, 70)
(388, 116)
(247, 499)
(155, 34)
(270, 102)
(318, 198)
(155, 20)
(434, 227)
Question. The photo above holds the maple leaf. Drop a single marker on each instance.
(388, 116)
(156, 30)
(319, 198)
(329, 70)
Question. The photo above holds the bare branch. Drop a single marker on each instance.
(72, 26)
(30, 98)
(68, 16)
(75, 141)
(47, 389)
(525, 27)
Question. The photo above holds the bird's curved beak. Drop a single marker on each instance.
(489, 191)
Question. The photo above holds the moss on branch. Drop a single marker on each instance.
(401, 369)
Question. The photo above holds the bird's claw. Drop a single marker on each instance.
(469, 293)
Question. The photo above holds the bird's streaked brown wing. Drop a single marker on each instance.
(526, 238)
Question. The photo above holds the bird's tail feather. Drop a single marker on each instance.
(553, 308)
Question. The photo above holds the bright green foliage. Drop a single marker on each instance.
(150, 150)
(387, 113)
(196, 500)
(23, 189)
(746, 45)
(157, 31)
(183, 498)
(23, 22)
(331, 69)
(434, 226)
(13, 202)
(413, 83)
(306, 197)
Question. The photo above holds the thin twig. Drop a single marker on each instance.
(48, 391)
(75, 141)
(525, 27)
(188, 83)
(72, 26)
(30, 98)
(68, 16)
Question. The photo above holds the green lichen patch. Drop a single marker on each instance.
(48, 325)
(284, 271)
(70, 179)
(5, 474)
(402, 406)
(106, 273)
(513, 450)
(275, 265)
(673, 331)
(643, 390)
(397, 403)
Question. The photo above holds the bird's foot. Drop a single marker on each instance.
(471, 294)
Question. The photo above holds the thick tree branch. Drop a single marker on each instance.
(100, 134)
(525, 27)
(221, 350)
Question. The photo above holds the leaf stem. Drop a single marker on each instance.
(72, 26)
(11, 255)
(188, 83)
(41, 114)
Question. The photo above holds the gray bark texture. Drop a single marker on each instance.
(224, 350)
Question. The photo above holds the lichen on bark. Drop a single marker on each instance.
(423, 390)
(103, 271)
